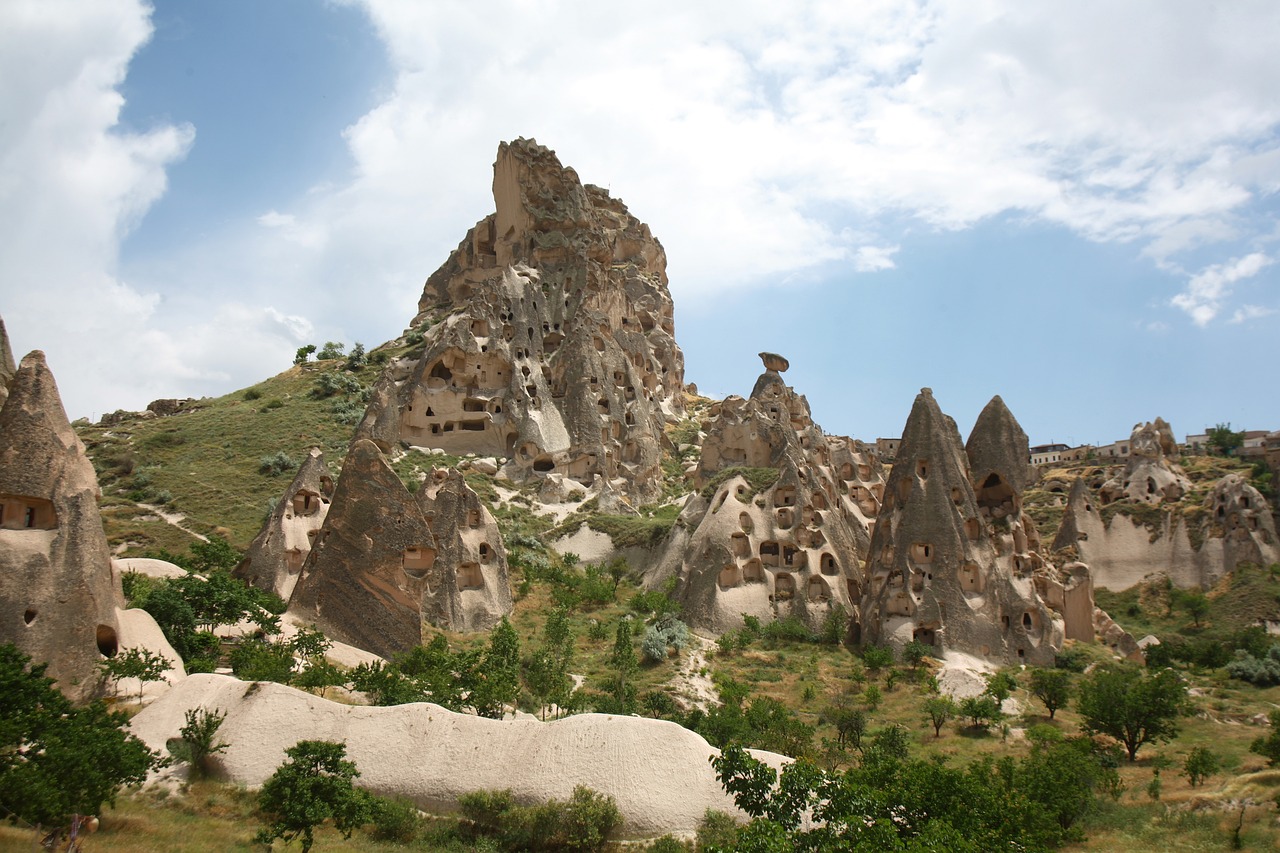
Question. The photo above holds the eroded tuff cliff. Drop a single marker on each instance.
(58, 596)
(782, 516)
(548, 338)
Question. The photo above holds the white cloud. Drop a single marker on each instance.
(1246, 313)
(1203, 296)
(874, 258)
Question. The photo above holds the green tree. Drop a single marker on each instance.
(1132, 705)
(1000, 685)
(1052, 687)
(1196, 605)
(357, 358)
(331, 349)
(497, 679)
(1224, 440)
(142, 664)
(313, 786)
(914, 653)
(940, 710)
(877, 657)
(198, 739)
(57, 760)
(1269, 746)
(981, 711)
(303, 353)
(623, 662)
(1199, 765)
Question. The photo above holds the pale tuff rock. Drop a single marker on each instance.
(275, 557)
(56, 583)
(550, 339)
(362, 582)
(467, 588)
(385, 561)
(657, 772)
(1149, 475)
(1237, 527)
(950, 566)
(793, 548)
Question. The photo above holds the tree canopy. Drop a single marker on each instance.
(1132, 705)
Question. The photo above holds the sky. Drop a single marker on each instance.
(1074, 207)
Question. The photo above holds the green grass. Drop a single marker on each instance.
(758, 479)
(207, 460)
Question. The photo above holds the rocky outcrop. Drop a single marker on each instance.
(467, 588)
(951, 563)
(57, 590)
(386, 562)
(657, 772)
(1125, 542)
(547, 338)
(7, 366)
(781, 518)
(1149, 474)
(275, 557)
(362, 582)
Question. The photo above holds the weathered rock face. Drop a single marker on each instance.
(362, 582)
(550, 339)
(1129, 547)
(378, 570)
(7, 366)
(1149, 474)
(793, 547)
(274, 560)
(57, 594)
(952, 566)
(467, 588)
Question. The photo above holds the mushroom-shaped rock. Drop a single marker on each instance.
(773, 361)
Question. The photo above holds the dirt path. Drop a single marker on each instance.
(692, 685)
(173, 518)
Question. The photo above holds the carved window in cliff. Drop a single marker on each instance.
(789, 553)
(995, 493)
(744, 521)
(927, 634)
(473, 404)
(827, 563)
(904, 489)
(817, 589)
(972, 529)
(846, 471)
(784, 586)
(769, 552)
(921, 553)
(740, 545)
(486, 553)
(417, 561)
(19, 512)
(922, 469)
(785, 518)
(753, 571)
(971, 578)
(470, 576)
(474, 519)
(784, 496)
(730, 576)
(819, 500)
(900, 604)
(480, 328)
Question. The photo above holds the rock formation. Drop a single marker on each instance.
(275, 557)
(548, 338)
(657, 772)
(377, 572)
(951, 561)
(57, 593)
(1149, 474)
(362, 582)
(782, 515)
(1192, 548)
(7, 366)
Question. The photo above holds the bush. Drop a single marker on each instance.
(1200, 764)
(1263, 672)
(357, 359)
(667, 632)
(274, 466)
(251, 394)
(198, 739)
(396, 820)
(315, 784)
(331, 349)
(583, 823)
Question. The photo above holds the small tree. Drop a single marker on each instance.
(877, 657)
(1196, 604)
(142, 664)
(940, 710)
(623, 661)
(357, 359)
(198, 739)
(1269, 746)
(1200, 764)
(331, 349)
(981, 711)
(1000, 685)
(914, 653)
(1132, 705)
(303, 353)
(1224, 440)
(498, 677)
(314, 785)
(1052, 687)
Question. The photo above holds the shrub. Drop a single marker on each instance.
(357, 359)
(1264, 671)
(1200, 764)
(667, 632)
(331, 349)
(274, 466)
(198, 739)
(395, 819)
(251, 394)
(315, 784)
(300, 357)
(584, 822)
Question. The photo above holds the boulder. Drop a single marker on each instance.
(57, 587)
